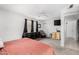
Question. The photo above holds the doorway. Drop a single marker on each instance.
(72, 34)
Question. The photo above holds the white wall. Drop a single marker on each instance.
(11, 25)
(48, 26)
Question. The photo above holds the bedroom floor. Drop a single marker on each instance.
(61, 50)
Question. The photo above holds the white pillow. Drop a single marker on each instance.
(1, 43)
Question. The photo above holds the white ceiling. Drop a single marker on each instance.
(38, 11)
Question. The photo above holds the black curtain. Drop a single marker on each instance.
(36, 26)
(78, 30)
(25, 28)
(32, 26)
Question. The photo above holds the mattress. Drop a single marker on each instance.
(26, 46)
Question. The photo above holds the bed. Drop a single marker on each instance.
(26, 46)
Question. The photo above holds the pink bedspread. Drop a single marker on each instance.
(26, 46)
